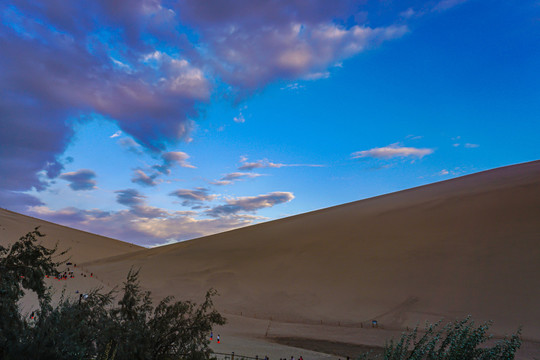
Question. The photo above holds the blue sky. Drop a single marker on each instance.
(160, 121)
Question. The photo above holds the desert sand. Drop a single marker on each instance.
(466, 246)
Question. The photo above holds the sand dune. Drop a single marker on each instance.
(470, 245)
(83, 246)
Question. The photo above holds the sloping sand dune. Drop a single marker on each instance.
(464, 246)
(470, 245)
(82, 246)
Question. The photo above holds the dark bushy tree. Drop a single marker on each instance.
(23, 266)
(95, 327)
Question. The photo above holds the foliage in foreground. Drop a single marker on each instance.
(96, 327)
(460, 340)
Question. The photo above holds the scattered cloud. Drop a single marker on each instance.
(80, 180)
(141, 178)
(72, 60)
(250, 203)
(17, 201)
(447, 4)
(454, 172)
(192, 197)
(248, 166)
(466, 145)
(230, 178)
(240, 118)
(168, 161)
(239, 175)
(407, 14)
(293, 86)
(392, 151)
(130, 145)
(260, 164)
(289, 40)
(171, 159)
(443, 172)
(142, 224)
(129, 197)
(116, 134)
(221, 182)
(317, 75)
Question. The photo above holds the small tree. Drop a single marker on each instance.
(23, 266)
(460, 340)
(171, 330)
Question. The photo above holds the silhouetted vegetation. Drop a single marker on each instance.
(460, 340)
(94, 326)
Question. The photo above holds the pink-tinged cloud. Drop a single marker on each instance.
(250, 203)
(392, 151)
(289, 40)
(142, 224)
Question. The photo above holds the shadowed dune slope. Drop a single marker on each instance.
(469, 245)
(83, 246)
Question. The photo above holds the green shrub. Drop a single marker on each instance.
(460, 340)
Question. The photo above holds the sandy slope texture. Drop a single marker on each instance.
(83, 246)
(469, 245)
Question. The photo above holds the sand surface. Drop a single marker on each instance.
(466, 246)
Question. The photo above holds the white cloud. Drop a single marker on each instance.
(392, 151)
(317, 75)
(230, 178)
(443, 172)
(116, 134)
(259, 164)
(239, 119)
(293, 86)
